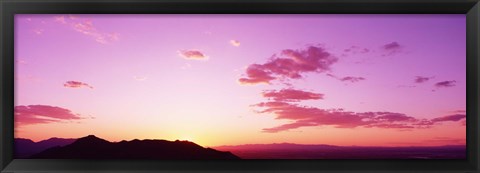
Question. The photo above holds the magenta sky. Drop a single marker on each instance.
(389, 80)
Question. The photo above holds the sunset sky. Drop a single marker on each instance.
(366, 80)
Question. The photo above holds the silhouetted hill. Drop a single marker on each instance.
(24, 148)
(92, 147)
(299, 151)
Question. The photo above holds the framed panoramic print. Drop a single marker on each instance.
(295, 86)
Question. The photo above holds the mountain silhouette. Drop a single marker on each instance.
(24, 148)
(92, 147)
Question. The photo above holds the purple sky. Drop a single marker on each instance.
(194, 77)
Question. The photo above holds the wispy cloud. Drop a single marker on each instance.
(60, 19)
(291, 95)
(455, 117)
(42, 114)
(459, 111)
(392, 48)
(352, 79)
(356, 50)
(235, 43)
(290, 64)
(406, 86)
(20, 61)
(445, 84)
(76, 84)
(87, 27)
(303, 116)
(38, 31)
(193, 55)
(186, 66)
(140, 78)
(422, 79)
(27, 78)
(289, 126)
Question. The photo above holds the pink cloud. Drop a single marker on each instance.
(422, 79)
(424, 123)
(38, 31)
(310, 116)
(392, 117)
(336, 117)
(87, 28)
(76, 84)
(391, 126)
(257, 74)
(272, 104)
(291, 95)
(284, 127)
(455, 117)
(290, 64)
(60, 19)
(41, 114)
(303, 116)
(450, 83)
(193, 55)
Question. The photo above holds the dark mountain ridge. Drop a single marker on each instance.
(92, 147)
(24, 148)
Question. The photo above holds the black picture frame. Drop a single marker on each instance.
(8, 8)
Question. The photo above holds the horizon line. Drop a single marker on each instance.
(237, 145)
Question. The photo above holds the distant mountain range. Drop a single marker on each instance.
(278, 146)
(299, 151)
(92, 147)
(24, 148)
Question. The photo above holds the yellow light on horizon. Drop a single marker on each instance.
(186, 138)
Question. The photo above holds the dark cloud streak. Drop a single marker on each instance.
(445, 84)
